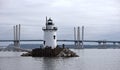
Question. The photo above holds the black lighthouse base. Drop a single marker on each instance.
(49, 52)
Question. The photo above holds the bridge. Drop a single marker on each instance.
(100, 42)
(97, 41)
(77, 41)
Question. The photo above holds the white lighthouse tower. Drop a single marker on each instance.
(50, 38)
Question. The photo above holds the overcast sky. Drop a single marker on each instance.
(101, 18)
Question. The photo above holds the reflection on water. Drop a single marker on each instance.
(90, 59)
(49, 64)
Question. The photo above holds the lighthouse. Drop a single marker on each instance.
(50, 38)
(50, 44)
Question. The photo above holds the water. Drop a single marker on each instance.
(90, 59)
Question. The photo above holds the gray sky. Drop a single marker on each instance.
(101, 18)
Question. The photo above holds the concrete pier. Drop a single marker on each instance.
(119, 44)
(99, 44)
(104, 44)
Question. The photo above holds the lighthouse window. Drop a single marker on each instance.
(49, 23)
(44, 42)
(54, 37)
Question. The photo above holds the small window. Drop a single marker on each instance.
(54, 37)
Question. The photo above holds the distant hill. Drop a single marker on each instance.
(28, 46)
(32, 46)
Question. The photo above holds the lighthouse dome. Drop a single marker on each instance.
(50, 21)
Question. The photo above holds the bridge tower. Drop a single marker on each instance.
(75, 38)
(50, 38)
(16, 30)
(82, 46)
(79, 37)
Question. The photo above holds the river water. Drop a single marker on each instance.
(90, 59)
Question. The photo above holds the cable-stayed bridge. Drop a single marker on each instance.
(98, 41)
(78, 41)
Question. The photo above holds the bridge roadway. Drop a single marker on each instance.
(97, 41)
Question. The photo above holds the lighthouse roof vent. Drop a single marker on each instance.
(50, 21)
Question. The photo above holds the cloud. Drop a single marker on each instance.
(100, 17)
(62, 3)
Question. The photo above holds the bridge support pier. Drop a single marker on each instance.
(79, 44)
(75, 43)
(104, 44)
(16, 30)
(99, 44)
(118, 44)
(114, 45)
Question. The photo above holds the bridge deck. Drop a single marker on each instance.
(98, 41)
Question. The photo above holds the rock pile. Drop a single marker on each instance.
(49, 52)
(67, 53)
